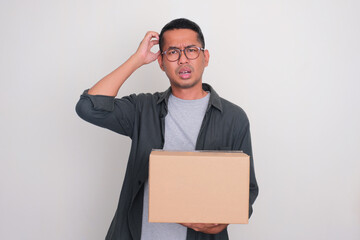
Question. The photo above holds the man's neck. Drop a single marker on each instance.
(192, 93)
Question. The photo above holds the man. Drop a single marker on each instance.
(188, 116)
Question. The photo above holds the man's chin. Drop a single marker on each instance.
(184, 84)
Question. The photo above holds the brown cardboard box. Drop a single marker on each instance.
(199, 187)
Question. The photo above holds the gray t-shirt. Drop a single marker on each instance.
(182, 126)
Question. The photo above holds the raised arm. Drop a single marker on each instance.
(110, 84)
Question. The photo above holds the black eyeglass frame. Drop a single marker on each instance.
(180, 52)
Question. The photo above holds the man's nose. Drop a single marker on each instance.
(183, 59)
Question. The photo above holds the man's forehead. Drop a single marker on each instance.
(180, 38)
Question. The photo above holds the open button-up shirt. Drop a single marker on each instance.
(142, 118)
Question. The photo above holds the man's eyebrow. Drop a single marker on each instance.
(173, 47)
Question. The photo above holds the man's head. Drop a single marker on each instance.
(181, 23)
(183, 57)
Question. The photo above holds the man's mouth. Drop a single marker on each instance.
(185, 72)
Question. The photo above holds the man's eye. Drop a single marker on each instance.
(172, 52)
(191, 50)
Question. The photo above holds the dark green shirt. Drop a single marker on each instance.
(142, 118)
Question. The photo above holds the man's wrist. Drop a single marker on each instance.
(136, 61)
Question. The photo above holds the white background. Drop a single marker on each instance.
(293, 66)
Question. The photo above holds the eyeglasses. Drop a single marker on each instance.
(174, 54)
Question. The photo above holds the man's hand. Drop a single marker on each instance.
(144, 53)
(209, 228)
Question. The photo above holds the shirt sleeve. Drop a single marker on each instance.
(108, 112)
(245, 146)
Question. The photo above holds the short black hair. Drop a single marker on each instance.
(181, 23)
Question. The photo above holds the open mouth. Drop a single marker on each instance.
(185, 73)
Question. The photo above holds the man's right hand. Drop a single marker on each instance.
(144, 54)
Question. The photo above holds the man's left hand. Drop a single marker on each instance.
(209, 228)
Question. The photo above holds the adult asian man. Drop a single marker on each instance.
(188, 116)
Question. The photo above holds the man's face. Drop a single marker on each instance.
(183, 73)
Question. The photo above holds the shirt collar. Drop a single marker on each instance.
(214, 100)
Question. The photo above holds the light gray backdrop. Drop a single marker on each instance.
(292, 65)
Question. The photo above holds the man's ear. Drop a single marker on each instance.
(160, 61)
(207, 57)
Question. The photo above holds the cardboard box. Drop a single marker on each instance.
(199, 187)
